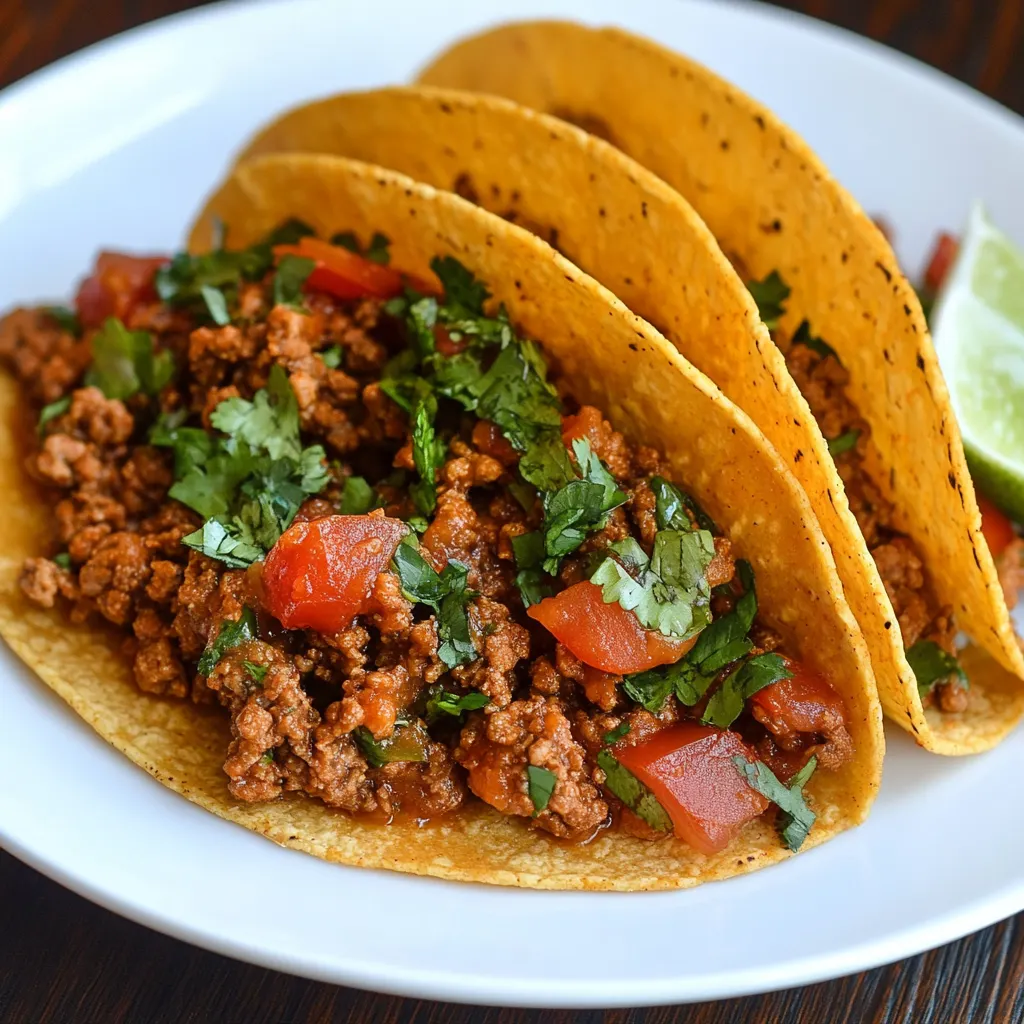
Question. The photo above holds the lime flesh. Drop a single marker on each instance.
(978, 327)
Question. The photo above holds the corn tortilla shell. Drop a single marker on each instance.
(773, 205)
(649, 391)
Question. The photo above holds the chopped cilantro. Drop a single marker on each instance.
(428, 451)
(670, 506)
(540, 784)
(461, 289)
(231, 634)
(267, 757)
(795, 819)
(52, 411)
(216, 304)
(288, 233)
(332, 357)
(843, 443)
(723, 642)
(250, 484)
(932, 665)
(622, 783)
(257, 673)
(446, 593)
(726, 703)
(613, 736)
(376, 251)
(125, 363)
(291, 275)
(207, 285)
(668, 592)
(770, 296)
(406, 743)
(441, 702)
(67, 319)
(803, 336)
(357, 497)
(63, 560)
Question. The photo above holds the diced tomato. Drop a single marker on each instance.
(585, 423)
(946, 248)
(996, 527)
(803, 703)
(319, 575)
(445, 345)
(605, 636)
(342, 273)
(490, 440)
(689, 768)
(117, 286)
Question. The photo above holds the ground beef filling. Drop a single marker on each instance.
(303, 706)
(822, 380)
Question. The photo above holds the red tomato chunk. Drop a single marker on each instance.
(342, 273)
(118, 285)
(320, 574)
(804, 703)
(605, 636)
(689, 768)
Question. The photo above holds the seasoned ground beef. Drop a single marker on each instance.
(432, 688)
(823, 381)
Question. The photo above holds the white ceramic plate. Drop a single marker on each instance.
(115, 147)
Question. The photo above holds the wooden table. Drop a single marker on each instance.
(63, 959)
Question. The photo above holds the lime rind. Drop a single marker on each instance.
(978, 328)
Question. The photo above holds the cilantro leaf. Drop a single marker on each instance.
(63, 560)
(795, 819)
(445, 593)
(428, 451)
(406, 743)
(124, 362)
(540, 784)
(723, 642)
(216, 304)
(670, 508)
(332, 357)
(441, 702)
(257, 673)
(932, 665)
(622, 783)
(52, 411)
(357, 497)
(231, 634)
(770, 296)
(67, 319)
(613, 736)
(376, 251)
(207, 285)
(669, 592)
(249, 485)
(726, 703)
(843, 443)
(270, 421)
(803, 336)
(288, 233)
(292, 272)
(461, 288)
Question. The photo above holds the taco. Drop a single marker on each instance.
(855, 340)
(356, 526)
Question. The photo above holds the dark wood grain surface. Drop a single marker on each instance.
(62, 959)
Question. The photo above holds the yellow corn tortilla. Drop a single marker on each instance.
(648, 390)
(773, 205)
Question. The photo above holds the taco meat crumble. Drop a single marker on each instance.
(357, 517)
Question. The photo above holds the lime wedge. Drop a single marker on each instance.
(978, 328)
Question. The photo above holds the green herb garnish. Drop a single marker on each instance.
(442, 702)
(843, 443)
(332, 357)
(67, 319)
(795, 819)
(291, 275)
(376, 251)
(406, 743)
(231, 634)
(633, 793)
(770, 296)
(670, 508)
(52, 411)
(803, 336)
(540, 784)
(932, 665)
(445, 593)
(726, 703)
(63, 560)
(357, 497)
(125, 363)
